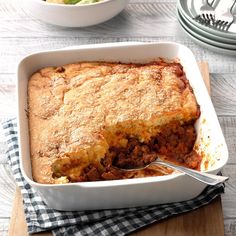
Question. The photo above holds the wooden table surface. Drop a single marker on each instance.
(142, 20)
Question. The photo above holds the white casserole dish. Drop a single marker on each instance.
(130, 192)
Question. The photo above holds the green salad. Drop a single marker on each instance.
(73, 2)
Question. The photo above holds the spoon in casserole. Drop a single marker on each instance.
(206, 178)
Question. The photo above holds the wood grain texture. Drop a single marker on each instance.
(13, 53)
(7, 187)
(3, 145)
(229, 198)
(224, 93)
(230, 227)
(133, 16)
(17, 217)
(7, 101)
(4, 224)
(228, 125)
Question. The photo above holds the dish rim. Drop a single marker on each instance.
(106, 183)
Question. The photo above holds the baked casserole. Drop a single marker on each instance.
(89, 119)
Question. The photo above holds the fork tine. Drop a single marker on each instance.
(225, 25)
(228, 25)
(207, 13)
(226, 18)
(222, 25)
(217, 24)
(211, 18)
(208, 17)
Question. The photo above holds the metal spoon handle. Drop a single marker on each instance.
(203, 177)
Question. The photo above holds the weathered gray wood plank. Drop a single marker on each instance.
(3, 145)
(223, 87)
(229, 197)
(7, 186)
(228, 125)
(4, 226)
(132, 16)
(12, 53)
(7, 100)
(230, 227)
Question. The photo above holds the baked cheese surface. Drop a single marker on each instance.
(79, 110)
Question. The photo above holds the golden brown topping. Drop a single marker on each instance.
(78, 111)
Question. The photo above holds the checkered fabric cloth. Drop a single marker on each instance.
(39, 217)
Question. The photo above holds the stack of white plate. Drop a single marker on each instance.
(214, 39)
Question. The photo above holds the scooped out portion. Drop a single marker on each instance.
(89, 119)
(175, 144)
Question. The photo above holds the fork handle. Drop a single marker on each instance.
(206, 178)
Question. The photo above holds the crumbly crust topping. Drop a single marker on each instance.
(79, 110)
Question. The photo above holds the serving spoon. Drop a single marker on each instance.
(206, 178)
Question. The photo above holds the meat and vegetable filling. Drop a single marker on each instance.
(174, 143)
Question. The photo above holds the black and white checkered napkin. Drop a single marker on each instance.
(101, 222)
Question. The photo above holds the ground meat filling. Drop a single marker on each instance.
(174, 142)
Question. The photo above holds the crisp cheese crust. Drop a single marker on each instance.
(76, 112)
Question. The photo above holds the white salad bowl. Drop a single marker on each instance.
(175, 187)
(74, 15)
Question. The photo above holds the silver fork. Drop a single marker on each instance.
(207, 13)
(225, 19)
(201, 176)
